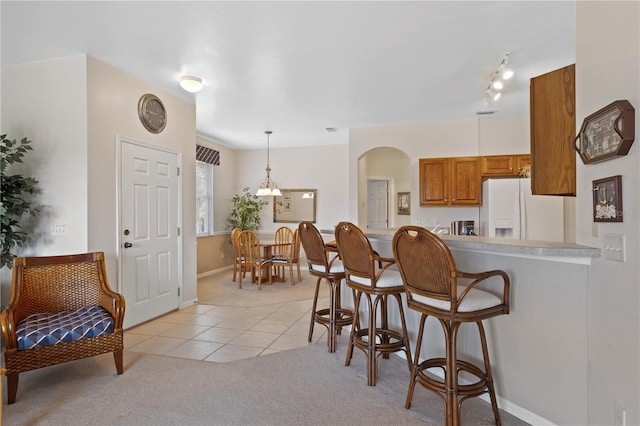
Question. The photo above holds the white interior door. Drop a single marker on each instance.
(149, 231)
(377, 204)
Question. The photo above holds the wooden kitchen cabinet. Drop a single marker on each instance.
(553, 129)
(522, 161)
(504, 165)
(498, 165)
(450, 181)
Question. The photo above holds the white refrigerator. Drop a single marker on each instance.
(509, 210)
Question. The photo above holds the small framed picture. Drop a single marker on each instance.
(607, 199)
(404, 203)
(287, 206)
(287, 196)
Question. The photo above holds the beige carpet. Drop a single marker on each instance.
(306, 386)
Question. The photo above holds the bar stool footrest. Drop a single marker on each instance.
(387, 341)
(436, 384)
(344, 317)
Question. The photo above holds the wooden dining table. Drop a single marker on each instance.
(267, 253)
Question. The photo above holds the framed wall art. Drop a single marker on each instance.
(607, 133)
(404, 203)
(607, 199)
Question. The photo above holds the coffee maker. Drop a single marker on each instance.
(463, 227)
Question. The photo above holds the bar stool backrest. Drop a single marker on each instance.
(425, 263)
(356, 252)
(313, 245)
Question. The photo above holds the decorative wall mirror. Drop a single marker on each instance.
(295, 205)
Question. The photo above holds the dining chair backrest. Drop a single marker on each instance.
(234, 241)
(295, 246)
(249, 245)
(284, 235)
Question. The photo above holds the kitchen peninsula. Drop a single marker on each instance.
(538, 351)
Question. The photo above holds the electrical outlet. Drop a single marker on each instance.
(58, 229)
(621, 416)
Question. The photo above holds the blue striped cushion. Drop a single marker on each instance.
(50, 329)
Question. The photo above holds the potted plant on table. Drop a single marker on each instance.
(246, 211)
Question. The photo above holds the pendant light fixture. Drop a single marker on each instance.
(268, 187)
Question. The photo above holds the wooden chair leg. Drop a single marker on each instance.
(313, 309)
(416, 362)
(117, 357)
(12, 387)
(354, 328)
(293, 281)
(372, 359)
(488, 376)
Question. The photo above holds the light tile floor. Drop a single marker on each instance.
(230, 323)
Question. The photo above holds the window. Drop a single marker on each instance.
(204, 199)
(206, 158)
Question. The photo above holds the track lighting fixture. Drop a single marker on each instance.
(497, 80)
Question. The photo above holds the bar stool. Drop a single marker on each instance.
(335, 317)
(368, 274)
(430, 279)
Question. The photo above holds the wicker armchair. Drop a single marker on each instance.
(61, 309)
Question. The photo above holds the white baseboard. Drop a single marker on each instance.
(503, 404)
(214, 271)
(188, 303)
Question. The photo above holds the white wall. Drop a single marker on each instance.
(324, 168)
(500, 136)
(113, 111)
(608, 68)
(48, 105)
(73, 108)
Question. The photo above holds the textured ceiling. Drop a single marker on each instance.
(299, 67)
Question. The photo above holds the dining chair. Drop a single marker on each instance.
(251, 257)
(324, 263)
(434, 287)
(369, 275)
(283, 254)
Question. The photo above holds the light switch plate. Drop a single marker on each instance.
(614, 247)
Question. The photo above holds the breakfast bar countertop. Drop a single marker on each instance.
(499, 245)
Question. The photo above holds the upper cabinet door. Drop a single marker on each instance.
(553, 129)
(450, 181)
(466, 182)
(434, 181)
(498, 165)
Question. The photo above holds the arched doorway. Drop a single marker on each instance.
(382, 169)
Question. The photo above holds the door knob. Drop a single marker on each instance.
(127, 245)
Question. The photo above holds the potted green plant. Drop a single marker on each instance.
(246, 211)
(16, 198)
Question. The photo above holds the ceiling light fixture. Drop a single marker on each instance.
(497, 80)
(191, 83)
(268, 187)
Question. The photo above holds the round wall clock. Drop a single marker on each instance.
(152, 113)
